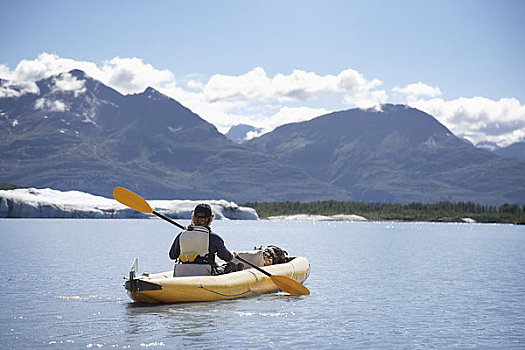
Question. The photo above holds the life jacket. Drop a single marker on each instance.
(194, 245)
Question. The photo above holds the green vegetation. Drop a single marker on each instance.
(4, 186)
(442, 211)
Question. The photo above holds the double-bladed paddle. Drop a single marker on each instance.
(134, 201)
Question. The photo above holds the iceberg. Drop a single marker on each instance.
(50, 203)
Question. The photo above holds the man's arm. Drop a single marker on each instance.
(222, 252)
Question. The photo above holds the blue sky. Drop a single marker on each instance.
(444, 57)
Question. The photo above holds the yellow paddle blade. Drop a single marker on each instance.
(132, 200)
(289, 285)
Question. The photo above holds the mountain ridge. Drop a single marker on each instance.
(398, 154)
(96, 139)
(78, 134)
(515, 150)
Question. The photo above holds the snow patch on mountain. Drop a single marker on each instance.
(49, 105)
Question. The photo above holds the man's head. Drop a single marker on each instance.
(202, 215)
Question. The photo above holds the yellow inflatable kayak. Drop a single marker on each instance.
(164, 288)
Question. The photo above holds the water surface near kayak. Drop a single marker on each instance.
(374, 285)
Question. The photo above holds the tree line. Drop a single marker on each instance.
(6, 186)
(442, 211)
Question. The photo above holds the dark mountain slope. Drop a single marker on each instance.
(399, 154)
(516, 150)
(93, 139)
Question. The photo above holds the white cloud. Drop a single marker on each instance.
(479, 119)
(4, 70)
(254, 85)
(299, 86)
(132, 75)
(126, 75)
(416, 91)
(304, 86)
(17, 89)
(68, 83)
(14, 87)
(264, 101)
(45, 66)
(359, 91)
(257, 99)
(195, 85)
(51, 105)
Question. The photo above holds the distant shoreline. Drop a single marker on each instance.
(282, 218)
(357, 218)
(47, 203)
(436, 212)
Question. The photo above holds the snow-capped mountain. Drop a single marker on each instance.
(72, 132)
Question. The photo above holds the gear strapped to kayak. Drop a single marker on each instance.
(274, 255)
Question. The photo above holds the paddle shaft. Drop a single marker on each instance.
(168, 220)
(285, 283)
(254, 266)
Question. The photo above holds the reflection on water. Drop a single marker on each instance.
(374, 285)
(182, 320)
(194, 324)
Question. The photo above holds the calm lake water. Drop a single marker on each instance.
(374, 285)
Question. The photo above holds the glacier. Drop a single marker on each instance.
(50, 203)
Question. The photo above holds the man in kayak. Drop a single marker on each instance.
(197, 244)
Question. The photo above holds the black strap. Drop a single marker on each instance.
(191, 227)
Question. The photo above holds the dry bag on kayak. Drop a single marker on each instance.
(254, 256)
